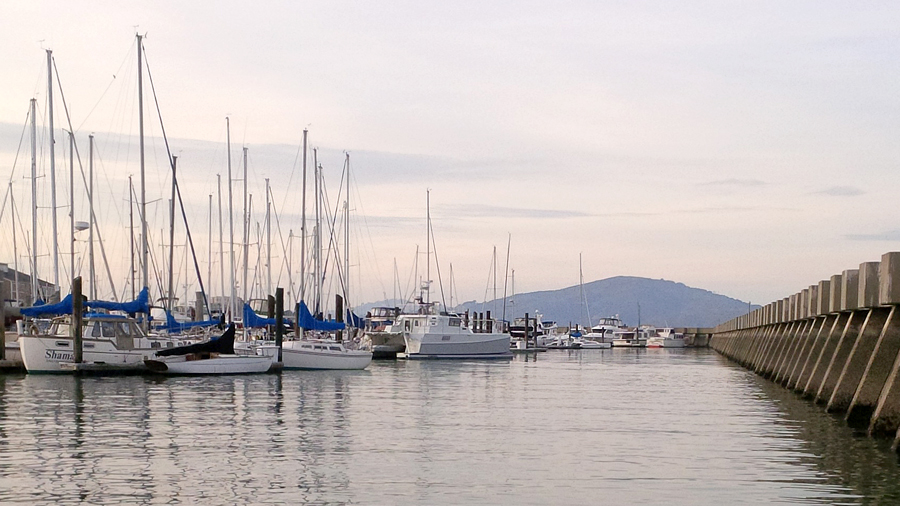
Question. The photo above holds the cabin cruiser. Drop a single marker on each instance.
(629, 339)
(604, 331)
(380, 335)
(438, 334)
(666, 338)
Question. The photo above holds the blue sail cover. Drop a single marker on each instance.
(139, 305)
(355, 321)
(306, 321)
(60, 308)
(174, 326)
(253, 320)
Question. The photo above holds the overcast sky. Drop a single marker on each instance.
(748, 148)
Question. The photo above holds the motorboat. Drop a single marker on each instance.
(605, 330)
(668, 338)
(629, 339)
(379, 334)
(215, 356)
(432, 334)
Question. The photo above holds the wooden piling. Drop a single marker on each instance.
(279, 320)
(77, 307)
(339, 312)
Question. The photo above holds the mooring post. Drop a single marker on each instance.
(2, 327)
(279, 318)
(490, 323)
(77, 306)
(526, 332)
(339, 314)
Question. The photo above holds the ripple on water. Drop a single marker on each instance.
(622, 426)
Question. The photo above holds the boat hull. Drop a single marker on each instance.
(45, 354)
(222, 364)
(438, 346)
(302, 355)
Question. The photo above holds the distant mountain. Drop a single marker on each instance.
(662, 303)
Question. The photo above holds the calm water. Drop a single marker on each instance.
(581, 427)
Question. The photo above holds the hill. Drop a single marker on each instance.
(662, 303)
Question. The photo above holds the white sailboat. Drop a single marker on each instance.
(322, 353)
(215, 356)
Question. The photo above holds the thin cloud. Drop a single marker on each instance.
(890, 235)
(841, 191)
(480, 211)
(734, 182)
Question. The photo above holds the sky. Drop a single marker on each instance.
(747, 148)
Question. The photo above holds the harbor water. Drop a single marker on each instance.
(563, 427)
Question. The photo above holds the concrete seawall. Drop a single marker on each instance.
(836, 343)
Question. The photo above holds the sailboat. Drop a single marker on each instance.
(323, 353)
(590, 340)
(215, 356)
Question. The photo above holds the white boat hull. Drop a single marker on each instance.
(305, 355)
(46, 353)
(673, 342)
(461, 345)
(221, 364)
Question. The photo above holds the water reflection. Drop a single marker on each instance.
(566, 427)
(845, 458)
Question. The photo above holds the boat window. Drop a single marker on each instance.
(63, 343)
(445, 338)
(417, 323)
(407, 324)
(334, 348)
(94, 329)
(109, 329)
(455, 322)
(306, 346)
(319, 347)
(88, 345)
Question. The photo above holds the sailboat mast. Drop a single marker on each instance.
(302, 225)
(34, 274)
(130, 229)
(268, 241)
(12, 207)
(584, 300)
(317, 238)
(246, 220)
(396, 282)
(428, 245)
(230, 223)
(145, 241)
(209, 247)
(221, 246)
(92, 292)
(72, 209)
(52, 167)
(494, 303)
(171, 298)
(347, 239)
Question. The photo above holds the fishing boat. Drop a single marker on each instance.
(431, 334)
(215, 356)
